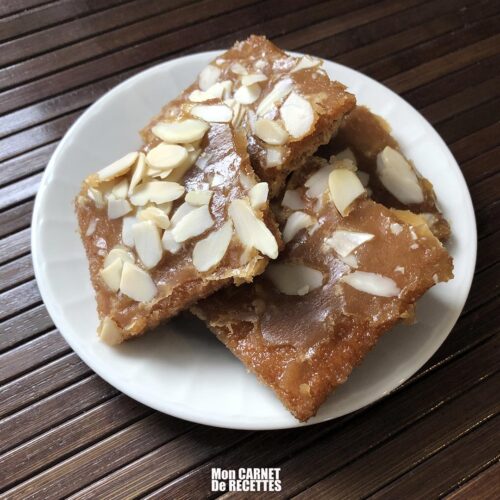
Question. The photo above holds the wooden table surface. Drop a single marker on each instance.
(64, 431)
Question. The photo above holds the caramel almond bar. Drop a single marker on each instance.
(392, 179)
(288, 106)
(172, 223)
(351, 269)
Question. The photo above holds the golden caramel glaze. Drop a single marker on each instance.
(328, 98)
(303, 347)
(366, 134)
(179, 284)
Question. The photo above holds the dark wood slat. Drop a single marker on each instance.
(484, 486)
(53, 410)
(19, 298)
(485, 193)
(31, 355)
(15, 245)
(383, 463)
(16, 218)
(482, 166)
(91, 464)
(96, 424)
(42, 382)
(15, 193)
(381, 420)
(48, 15)
(24, 326)
(15, 272)
(82, 28)
(10, 7)
(460, 458)
(476, 143)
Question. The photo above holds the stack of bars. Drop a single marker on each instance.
(277, 211)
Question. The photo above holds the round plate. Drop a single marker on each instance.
(181, 369)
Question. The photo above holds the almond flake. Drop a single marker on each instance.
(147, 243)
(251, 230)
(208, 77)
(372, 283)
(91, 228)
(109, 332)
(120, 189)
(139, 172)
(306, 62)
(216, 91)
(350, 260)
(127, 235)
(298, 115)
(238, 69)
(208, 252)
(156, 192)
(293, 200)
(167, 156)
(294, 223)
(96, 196)
(178, 173)
(118, 253)
(253, 78)
(111, 274)
(398, 177)
(279, 92)
(181, 211)
(219, 113)
(318, 182)
(258, 195)
(199, 198)
(363, 177)
(344, 242)
(248, 94)
(346, 154)
(154, 214)
(274, 156)
(246, 181)
(137, 283)
(345, 188)
(395, 228)
(118, 208)
(270, 132)
(181, 132)
(294, 279)
(169, 244)
(193, 224)
(117, 168)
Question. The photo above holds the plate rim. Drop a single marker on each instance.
(178, 410)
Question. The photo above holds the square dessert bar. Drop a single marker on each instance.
(172, 223)
(350, 270)
(288, 106)
(392, 179)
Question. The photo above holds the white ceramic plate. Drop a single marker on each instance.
(182, 369)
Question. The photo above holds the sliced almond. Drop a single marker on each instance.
(120, 189)
(137, 283)
(96, 196)
(298, 115)
(166, 156)
(363, 177)
(168, 242)
(317, 184)
(139, 172)
(345, 188)
(372, 283)
(258, 195)
(118, 208)
(181, 132)
(147, 243)
(253, 78)
(350, 260)
(111, 274)
(117, 168)
(216, 91)
(344, 242)
(91, 228)
(270, 132)
(156, 192)
(181, 211)
(395, 228)
(199, 198)
(109, 332)
(293, 200)
(208, 252)
(398, 177)
(127, 235)
(118, 253)
(178, 173)
(208, 77)
(306, 62)
(274, 156)
(248, 94)
(156, 215)
(294, 279)
(296, 222)
(246, 181)
(251, 230)
(219, 113)
(279, 92)
(193, 224)
(346, 154)
(238, 69)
